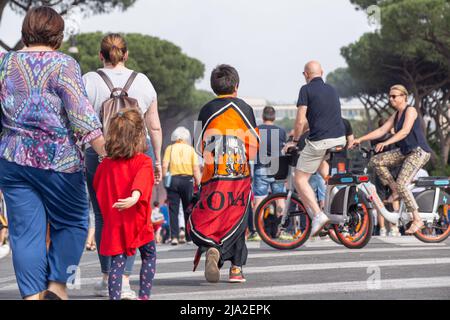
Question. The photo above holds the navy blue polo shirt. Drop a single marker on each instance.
(324, 110)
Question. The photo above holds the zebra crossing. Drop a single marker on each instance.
(393, 268)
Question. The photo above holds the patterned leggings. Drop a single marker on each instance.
(411, 164)
(148, 256)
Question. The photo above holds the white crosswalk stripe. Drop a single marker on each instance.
(274, 254)
(315, 288)
(174, 264)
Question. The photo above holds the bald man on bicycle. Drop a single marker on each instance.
(319, 108)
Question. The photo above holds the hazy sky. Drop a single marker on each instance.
(268, 41)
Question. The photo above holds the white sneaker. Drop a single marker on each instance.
(394, 232)
(182, 237)
(318, 223)
(174, 242)
(101, 289)
(383, 232)
(128, 294)
(4, 251)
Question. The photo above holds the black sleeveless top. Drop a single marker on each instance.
(416, 138)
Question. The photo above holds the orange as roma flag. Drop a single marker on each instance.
(228, 140)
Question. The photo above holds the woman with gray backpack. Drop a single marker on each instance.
(110, 89)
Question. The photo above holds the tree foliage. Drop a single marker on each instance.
(64, 7)
(422, 26)
(364, 4)
(412, 48)
(419, 24)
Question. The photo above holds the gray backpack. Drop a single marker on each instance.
(118, 100)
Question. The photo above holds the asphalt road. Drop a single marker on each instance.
(388, 268)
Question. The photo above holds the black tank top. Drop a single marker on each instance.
(416, 138)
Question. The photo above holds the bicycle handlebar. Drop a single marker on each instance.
(292, 151)
(367, 153)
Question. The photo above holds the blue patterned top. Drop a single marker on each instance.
(46, 115)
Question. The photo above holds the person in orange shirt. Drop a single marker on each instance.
(228, 141)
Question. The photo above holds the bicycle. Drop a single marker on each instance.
(433, 202)
(288, 226)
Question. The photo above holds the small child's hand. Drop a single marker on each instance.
(124, 204)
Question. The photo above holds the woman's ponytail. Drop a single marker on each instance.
(114, 49)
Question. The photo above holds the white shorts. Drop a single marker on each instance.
(314, 153)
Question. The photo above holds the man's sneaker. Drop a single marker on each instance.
(286, 236)
(318, 223)
(182, 237)
(174, 242)
(128, 294)
(101, 289)
(212, 272)
(394, 232)
(383, 232)
(254, 236)
(236, 275)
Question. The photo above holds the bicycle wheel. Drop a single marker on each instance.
(438, 230)
(357, 231)
(282, 233)
(333, 236)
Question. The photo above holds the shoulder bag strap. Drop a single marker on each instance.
(170, 158)
(130, 82)
(106, 79)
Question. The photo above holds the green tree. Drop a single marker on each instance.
(63, 7)
(409, 48)
(286, 123)
(348, 88)
(364, 4)
(425, 27)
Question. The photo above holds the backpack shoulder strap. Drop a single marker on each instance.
(130, 82)
(106, 79)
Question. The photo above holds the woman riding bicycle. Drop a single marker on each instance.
(413, 153)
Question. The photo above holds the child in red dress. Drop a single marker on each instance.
(124, 183)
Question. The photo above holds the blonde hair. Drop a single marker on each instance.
(400, 88)
(114, 48)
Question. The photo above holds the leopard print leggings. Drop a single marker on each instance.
(410, 163)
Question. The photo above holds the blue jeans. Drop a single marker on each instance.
(35, 197)
(318, 185)
(262, 183)
(91, 161)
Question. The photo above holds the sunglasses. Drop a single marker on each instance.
(393, 96)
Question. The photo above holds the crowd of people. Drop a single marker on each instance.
(74, 144)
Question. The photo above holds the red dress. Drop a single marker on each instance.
(125, 231)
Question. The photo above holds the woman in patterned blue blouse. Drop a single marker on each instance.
(45, 117)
